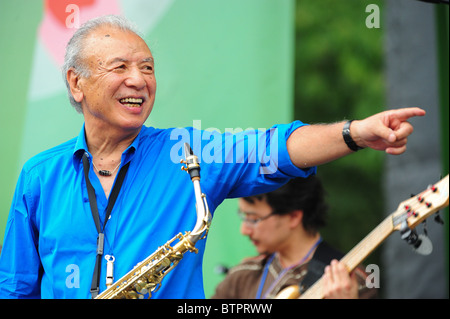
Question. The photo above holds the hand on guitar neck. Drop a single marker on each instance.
(337, 283)
(409, 214)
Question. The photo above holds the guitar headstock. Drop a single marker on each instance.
(416, 209)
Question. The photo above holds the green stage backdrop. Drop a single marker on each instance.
(222, 64)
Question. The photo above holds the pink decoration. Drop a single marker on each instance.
(58, 26)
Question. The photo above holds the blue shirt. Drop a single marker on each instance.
(50, 239)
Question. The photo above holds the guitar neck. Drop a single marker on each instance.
(409, 214)
(357, 255)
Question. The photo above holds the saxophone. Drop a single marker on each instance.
(145, 278)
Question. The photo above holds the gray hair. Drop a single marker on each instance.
(74, 49)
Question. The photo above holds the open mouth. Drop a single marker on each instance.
(132, 102)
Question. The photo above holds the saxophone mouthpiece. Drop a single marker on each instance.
(191, 162)
(187, 150)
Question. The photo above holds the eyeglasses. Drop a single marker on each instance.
(252, 222)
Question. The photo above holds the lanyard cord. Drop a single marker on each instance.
(263, 278)
(94, 209)
(285, 270)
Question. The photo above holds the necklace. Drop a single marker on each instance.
(105, 172)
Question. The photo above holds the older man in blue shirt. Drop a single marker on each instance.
(50, 244)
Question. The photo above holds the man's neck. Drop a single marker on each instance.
(108, 144)
(299, 250)
(106, 148)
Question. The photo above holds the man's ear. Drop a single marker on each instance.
(296, 217)
(73, 78)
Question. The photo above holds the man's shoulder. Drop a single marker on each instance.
(155, 131)
(151, 134)
(52, 154)
(255, 263)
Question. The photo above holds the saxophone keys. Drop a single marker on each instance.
(142, 287)
(133, 295)
(184, 168)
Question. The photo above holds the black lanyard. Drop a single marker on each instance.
(93, 203)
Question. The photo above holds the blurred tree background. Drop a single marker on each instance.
(339, 75)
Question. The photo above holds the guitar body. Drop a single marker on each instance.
(291, 292)
(408, 215)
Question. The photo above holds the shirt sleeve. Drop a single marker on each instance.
(250, 162)
(20, 265)
(241, 282)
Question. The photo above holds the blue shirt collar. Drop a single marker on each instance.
(81, 147)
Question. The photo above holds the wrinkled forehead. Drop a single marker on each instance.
(107, 40)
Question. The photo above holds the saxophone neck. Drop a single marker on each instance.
(192, 164)
(203, 214)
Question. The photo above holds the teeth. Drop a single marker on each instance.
(131, 100)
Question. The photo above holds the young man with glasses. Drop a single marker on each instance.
(284, 228)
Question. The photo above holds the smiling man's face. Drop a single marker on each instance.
(121, 86)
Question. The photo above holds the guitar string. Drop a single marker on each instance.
(414, 206)
(409, 212)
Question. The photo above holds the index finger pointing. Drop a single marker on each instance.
(406, 113)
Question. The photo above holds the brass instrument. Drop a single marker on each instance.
(146, 276)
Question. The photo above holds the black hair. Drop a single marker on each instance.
(306, 194)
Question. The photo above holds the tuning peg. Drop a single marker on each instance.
(438, 219)
(424, 246)
(420, 244)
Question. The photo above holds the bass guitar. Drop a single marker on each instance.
(408, 215)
